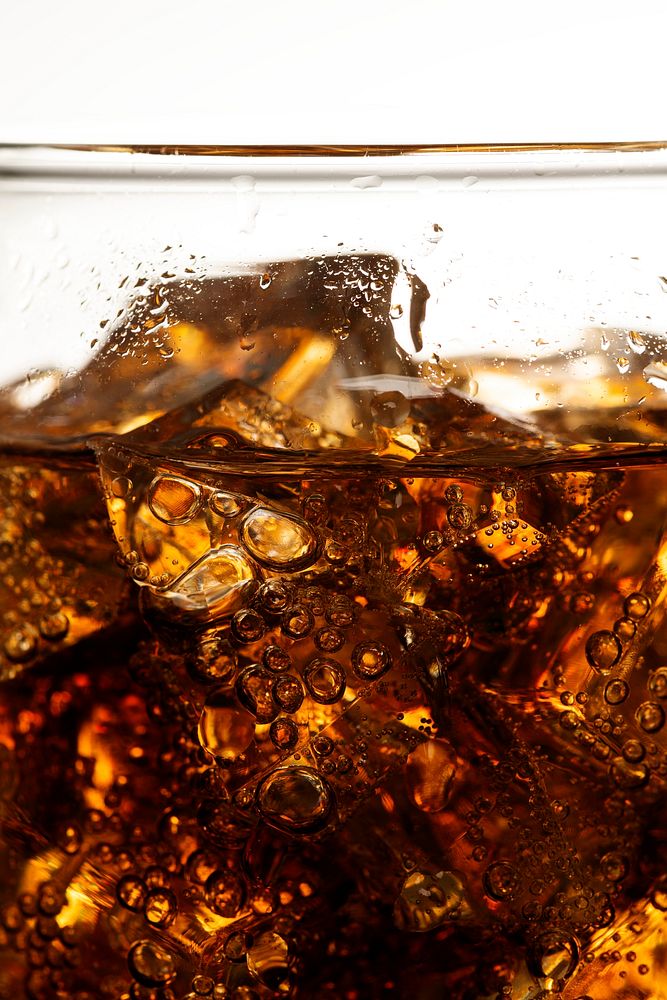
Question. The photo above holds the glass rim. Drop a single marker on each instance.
(28, 164)
(338, 150)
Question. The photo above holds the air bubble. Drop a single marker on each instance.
(390, 409)
(636, 606)
(288, 693)
(603, 650)
(325, 680)
(500, 881)
(267, 961)
(151, 964)
(225, 893)
(616, 691)
(278, 541)
(428, 900)
(296, 800)
(131, 892)
(174, 500)
(225, 730)
(371, 660)
(651, 716)
(284, 734)
(225, 504)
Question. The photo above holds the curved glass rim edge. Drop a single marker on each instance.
(343, 150)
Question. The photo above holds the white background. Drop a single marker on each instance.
(348, 71)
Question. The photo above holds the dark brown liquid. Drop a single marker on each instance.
(313, 687)
(349, 737)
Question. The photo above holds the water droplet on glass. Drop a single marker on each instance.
(369, 181)
(656, 375)
(636, 342)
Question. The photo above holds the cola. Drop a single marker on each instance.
(324, 682)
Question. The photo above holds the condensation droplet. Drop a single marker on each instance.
(636, 342)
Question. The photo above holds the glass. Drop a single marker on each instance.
(332, 571)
